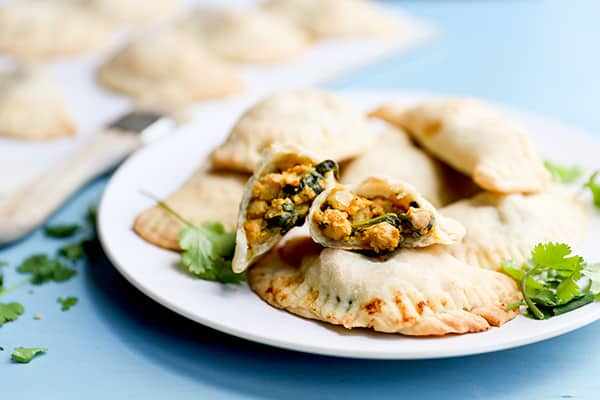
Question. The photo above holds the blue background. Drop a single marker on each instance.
(541, 56)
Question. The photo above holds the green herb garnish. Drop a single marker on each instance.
(72, 252)
(207, 248)
(10, 312)
(61, 230)
(24, 355)
(44, 269)
(594, 188)
(553, 281)
(67, 302)
(563, 174)
(3, 263)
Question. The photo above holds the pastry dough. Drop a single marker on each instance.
(472, 137)
(278, 198)
(206, 197)
(335, 18)
(395, 157)
(507, 227)
(132, 11)
(319, 122)
(380, 216)
(245, 35)
(32, 105)
(417, 292)
(168, 67)
(32, 29)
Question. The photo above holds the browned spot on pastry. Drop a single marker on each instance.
(374, 306)
(420, 307)
(432, 127)
(444, 302)
(269, 290)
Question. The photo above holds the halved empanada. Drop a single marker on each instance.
(472, 137)
(32, 29)
(416, 292)
(277, 198)
(506, 227)
(335, 18)
(319, 122)
(246, 35)
(168, 67)
(395, 157)
(206, 197)
(32, 105)
(379, 216)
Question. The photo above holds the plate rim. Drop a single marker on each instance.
(321, 350)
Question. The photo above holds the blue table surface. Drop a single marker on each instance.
(540, 56)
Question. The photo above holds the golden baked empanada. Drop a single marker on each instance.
(321, 123)
(416, 292)
(32, 29)
(205, 197)
(132, 11)
(277, 198)
(168, 67)
(335, 18)
(380, 216)
(395, 157)
(32, 105)
(245, 35)
(472, 137)
(506, 227)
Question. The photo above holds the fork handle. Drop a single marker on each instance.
(28, 207)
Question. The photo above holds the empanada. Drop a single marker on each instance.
(32, 29)
(32, 105)
(245, 35)
(277, 198)
(506, 227)
(335, 18)
(206, 197)
(417, 292)
(472, 137)
(133, 11)
(321, 123)
(380, 216)
(168, 67)
(395, 157)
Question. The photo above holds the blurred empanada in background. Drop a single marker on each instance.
(132, 11)
(34, 29)
(32, 105)
(168, 67)
(321, 123)
(335, 18)
(205, 197)
(416, 292)
(245, 35)
(473, 138)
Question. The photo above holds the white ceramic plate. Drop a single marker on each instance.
(162, 167)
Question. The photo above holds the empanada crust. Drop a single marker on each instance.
(205, 197)
(421, 292)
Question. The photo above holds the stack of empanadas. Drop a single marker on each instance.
(371, 248)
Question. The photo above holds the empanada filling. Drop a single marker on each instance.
(282, 198)
(380, 224)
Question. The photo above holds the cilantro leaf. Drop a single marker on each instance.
(73, 251)
(553, 281)
(563, 174)
(594, 188)
(207, 252)
(44, 269)
(10, 312)
(24, 355)
(91, 216)
(61, 230)
(67, 302)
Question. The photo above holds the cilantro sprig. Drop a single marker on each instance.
(67, 303)
(207, 248)
(61, 230)
(563, 174)
(24, 355)
(553, 281)
(10, 312)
